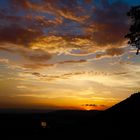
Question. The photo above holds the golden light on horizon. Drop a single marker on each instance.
(95, 107)
(88, 108)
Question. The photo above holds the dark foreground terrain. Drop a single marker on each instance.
(117, 122)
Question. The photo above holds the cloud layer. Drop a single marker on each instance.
(62, 26)
(65, 53)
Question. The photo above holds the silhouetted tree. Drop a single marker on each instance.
(134, 30)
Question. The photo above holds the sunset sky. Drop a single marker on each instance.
(66, 54)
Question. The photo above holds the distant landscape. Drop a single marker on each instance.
(121, 120)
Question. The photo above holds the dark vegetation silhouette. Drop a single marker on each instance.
(134, 30)
(120, 121)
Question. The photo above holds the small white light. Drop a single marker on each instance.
(43, 124)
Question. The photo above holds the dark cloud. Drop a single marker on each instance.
(36, 55)
(36, 66)
(88, 1)
(111, 52)
(63, 76)
(115, 51)
(109, 23)
(42, 65)
(120, 73)
(18, 35)
(66, 9)
(73, 61)
(89, 105)
(94, 106)
(55, 25)
(19, 4)
(36, 74)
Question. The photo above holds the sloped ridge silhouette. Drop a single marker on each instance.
(119, 121)
(131, 104)
(122, 119)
